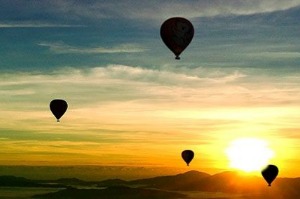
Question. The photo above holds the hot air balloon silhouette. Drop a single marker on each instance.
(187, 156)
(270, 173)
(177, 33)
(58, 107)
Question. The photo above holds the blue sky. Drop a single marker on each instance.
(54, 34)
(125, 89)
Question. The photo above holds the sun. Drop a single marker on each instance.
(249, 154)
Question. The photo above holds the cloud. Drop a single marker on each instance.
(162, 9)
(202, 8)
(277, 55)
(37, 25)
(62, 48)
(73, 10)
(148, 91)
(172, 81)
(130, 107)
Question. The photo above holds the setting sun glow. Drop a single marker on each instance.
(249, 154)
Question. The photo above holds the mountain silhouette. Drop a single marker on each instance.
(182, 182)
(164, 187)
(117, 192)
(227, 182)
(112, 182)
(12, 181)
(68, 181)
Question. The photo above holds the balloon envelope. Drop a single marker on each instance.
(177, 33)
(270, 173)
(187, 156)
(58, 107)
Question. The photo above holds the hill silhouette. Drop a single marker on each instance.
(117, 192)
(12, 181)
(180, 182)
(227, 182)
(164, 187)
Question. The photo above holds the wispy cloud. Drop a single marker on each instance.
(149, 89)
(62, 48)
(120, 106)
(37, 25)
(277, 55)
(72, 10)
(162, 9)
(198, 8)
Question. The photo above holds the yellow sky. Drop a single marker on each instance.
(143, 123)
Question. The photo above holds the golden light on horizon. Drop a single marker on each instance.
(249, 154)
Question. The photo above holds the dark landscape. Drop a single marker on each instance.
(192, 184)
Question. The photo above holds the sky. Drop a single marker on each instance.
(131, 104)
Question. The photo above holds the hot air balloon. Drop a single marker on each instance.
(58, 107)
(187, 156)
(177, 33)
(270, 173)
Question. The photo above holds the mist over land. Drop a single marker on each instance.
(190, 185)
(88, 172)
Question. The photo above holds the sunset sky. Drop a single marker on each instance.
(130, 102)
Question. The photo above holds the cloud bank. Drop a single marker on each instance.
(62, 48)
(72, 10)
(130, 107)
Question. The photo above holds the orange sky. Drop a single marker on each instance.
(147, 131)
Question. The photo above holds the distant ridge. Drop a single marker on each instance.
(229, 182)
(117, 192)
(66, 181)
(12, 181)
(175, 182)
(112, 182)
